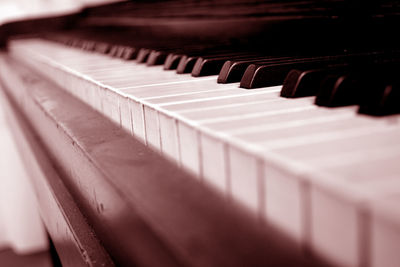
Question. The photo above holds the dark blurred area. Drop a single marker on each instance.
(282, 25)
(12, 11)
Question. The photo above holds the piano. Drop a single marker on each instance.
(212, 133)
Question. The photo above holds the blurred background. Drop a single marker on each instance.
(23, 239)
(18, 9)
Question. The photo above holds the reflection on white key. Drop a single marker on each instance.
(284, 205)
(169, 136)
(152, 128)
(189, 148)
(214, 162)
(385, 236)
(137, 116)
(162, 89)
(245, 178)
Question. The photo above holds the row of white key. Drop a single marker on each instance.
(320, 175)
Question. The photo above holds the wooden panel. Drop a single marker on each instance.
(74, 239)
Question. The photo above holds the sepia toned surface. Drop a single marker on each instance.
(287, 112)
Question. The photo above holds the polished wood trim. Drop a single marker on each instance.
(74, 239)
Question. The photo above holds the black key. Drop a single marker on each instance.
(129, 53)
(89, 45)
(339, 90)
(156, 58)
(211, 65)
(159, 56)
(232, 71)
(172, 61)
(186, 64)
(301, 83)
(102, 48)
(257, 76)
(357, 85)
(124, 52)
(385, 101)
(76, 43)
(113, 50)
(143, 55)
(70, 42)
(120, 51)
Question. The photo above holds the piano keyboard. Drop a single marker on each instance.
(328, 178)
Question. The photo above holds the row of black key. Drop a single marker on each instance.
(375, 88)
(368, 79)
